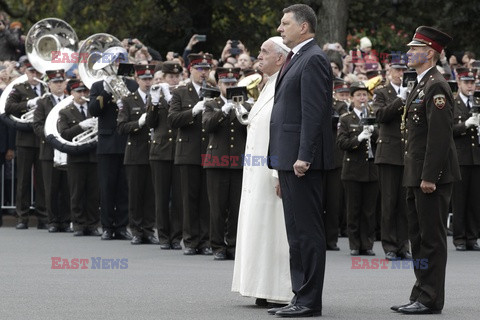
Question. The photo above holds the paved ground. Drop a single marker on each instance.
(167, 285)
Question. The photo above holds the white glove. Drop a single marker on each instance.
(227, 107)
(32, 102)
(369, 128)
(403, 93)
(364, 135)
(155, 94)
(107, 87)
(141, 121)
(472, 121)
(87, 123)
(166, 91)
(119, 104)
(198, 108)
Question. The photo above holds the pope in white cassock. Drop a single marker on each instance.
(262, 268)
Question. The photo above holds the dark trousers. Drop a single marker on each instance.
(427, 230)
(394, 213)
(224, 190)
(141, 200)
(196, 210)
(57, 195)
(168, 201)
(334, 204)
(113, 185)
(84, 200)
(302, 205)
(26, 158)
(466, 206)
(361, 205)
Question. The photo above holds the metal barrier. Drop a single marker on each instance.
(13, 187)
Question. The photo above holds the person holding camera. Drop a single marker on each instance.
(9, 42)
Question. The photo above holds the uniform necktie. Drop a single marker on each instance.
(468, 104)
(287, 61)
(82, 111)
(59, 99)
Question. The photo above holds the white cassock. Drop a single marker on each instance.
(262, 268)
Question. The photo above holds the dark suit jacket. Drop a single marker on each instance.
(16, 105)
(227, 137)
(138, 140)
(102, 106)
(44, 106)
(466, 139)
(301, 122)
(68, 127)
(430, 150)
(163, 140)
(191, 138)
(389, 110)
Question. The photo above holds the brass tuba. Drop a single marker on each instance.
(251, 82)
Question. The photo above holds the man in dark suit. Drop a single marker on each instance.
(185, 114)
(301, 148)
(81, 168)
(7, 147)
(131, 121)
(57, 197)
(389, 159)
(110, 153)
(22, 99)
(431, 167)
(465, 204)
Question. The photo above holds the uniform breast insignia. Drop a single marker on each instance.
(421, 94)
(439, 100)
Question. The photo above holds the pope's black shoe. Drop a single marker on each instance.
(395, 308)
(418, 308)
(275, 310)
(298, 312)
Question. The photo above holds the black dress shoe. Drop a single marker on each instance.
(206, 251)
(151, 239)
(261, 302)
(219, 256)
(395, 308)
(53, 229)
(93, 232)
(21, 226)
(390, 256)
(418, 308)
(107, 235)
(123, 235)
(41, 225)
(176, 246)
(368, 252)
(333, 248)
(474, 247)
(406, 255)
(78, 233)
(275, 310)
(136, 240)
(354, 252)
(189, 251)
(165, 246)
(461, 247)
(298, 312)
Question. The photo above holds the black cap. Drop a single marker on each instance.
(171, 67)
(340, 85)
(200, 60)
(144, 71)
(227, 74)
(56, 75)
(466, 74)
(428, 36)
(355, 86)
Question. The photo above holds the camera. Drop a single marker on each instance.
(175, 55)
(235, 50)
(130, 42)
(201, 38)
(138, 46)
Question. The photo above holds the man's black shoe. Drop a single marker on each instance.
(21, 226)
(354, 252)
(390, 256)
(78, 233)
(53, 229)
(176, 246)
(189, 251)
(275, 310)
(418, 308)
(298, 312)
(219, 256)
(165, 246)
(206, 251)
(461, 247)
(395, 308)
(136, 240)
(107, 235)
(151, 240)
(123, 235)
(93, 232)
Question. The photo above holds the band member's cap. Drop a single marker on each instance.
(466, 74)
(144, 71)
(76, 85)
(227, 74)
(200, 60)
(355, 86)
(340, 85)
(56, 75)
(171, 67)
(428, 36)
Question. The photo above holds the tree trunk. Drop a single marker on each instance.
(332, 17)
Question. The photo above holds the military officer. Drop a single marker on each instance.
(223, 162)
(57, 197)
(23, 98)
(82, 168)
(430, 168)
(131, 121)
(465, 204)
(359, 174)
(389, 161)
(165, 175)
(185, 114)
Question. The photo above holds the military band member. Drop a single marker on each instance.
(57, 197)
(223, 162)
(185, 114)
(81, 169)
(165, 175)
(131, 121)
(431, 167)
(112, 178)
(22, 99)
(465, 204)
(359, 173)
(389, 161)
